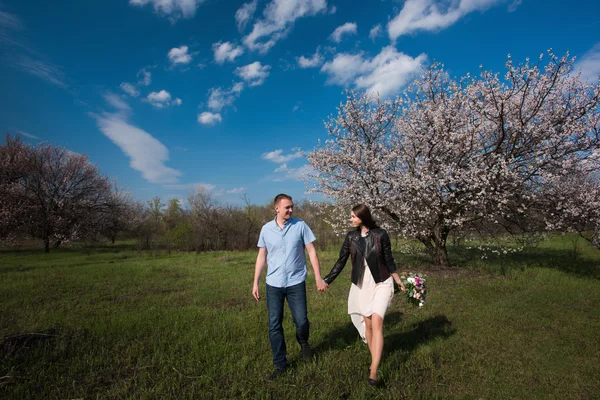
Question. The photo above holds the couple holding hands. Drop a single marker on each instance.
(281, 246)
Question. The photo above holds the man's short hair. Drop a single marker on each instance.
(280, 197)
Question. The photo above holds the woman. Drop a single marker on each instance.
(372, 288)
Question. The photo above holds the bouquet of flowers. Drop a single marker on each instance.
(416, 291)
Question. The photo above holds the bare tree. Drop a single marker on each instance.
(119, 212)
(13, 168)
(63, 195)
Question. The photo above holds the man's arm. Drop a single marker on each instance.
(314, 260)
(261, 261)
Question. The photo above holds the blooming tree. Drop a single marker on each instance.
(61, 194)
(573, 205)
(447, 154)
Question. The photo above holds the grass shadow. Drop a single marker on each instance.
(419, 334)
(346, 335)
(539, 257)
(338, 338)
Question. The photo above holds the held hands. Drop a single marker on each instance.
(321, 285)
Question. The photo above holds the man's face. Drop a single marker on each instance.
(284, 209)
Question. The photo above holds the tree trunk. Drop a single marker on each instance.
(56, 244)
(442, 255)
(440, 240)
(436, 246)
(46, 244)
(428, 242)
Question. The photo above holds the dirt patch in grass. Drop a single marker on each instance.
(238, 304)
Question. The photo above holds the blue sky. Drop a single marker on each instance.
(165, 95)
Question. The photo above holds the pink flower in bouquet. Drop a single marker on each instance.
(416, 292)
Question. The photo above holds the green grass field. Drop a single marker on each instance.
(115, 324)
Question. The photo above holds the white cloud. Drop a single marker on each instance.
(315, 61)
(220, 98)
(130, 89)
(236, 190)
(349, 28)
(208, 118)
(430, 15)
(26, 58)
(44, 70)
(190, 186)
(173, 9)
(385, 74)
(147, 155)
(299, 173)
(589, 64)
(283, 171)
(145, 77)
(514, 5)
(226, 51)
(278, 19)
(255, 73)
(117, 102)
(179, 55)
(297, 106)
(159, 99)
(244, 14)
(277, 156)
(375, 32)
(10, 21)
(333, 10)
(162, 99)
(345, 68)
(28, 135)
(283, 167)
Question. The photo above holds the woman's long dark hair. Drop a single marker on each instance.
(363, 212)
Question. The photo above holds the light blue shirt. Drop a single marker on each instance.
(285, 251)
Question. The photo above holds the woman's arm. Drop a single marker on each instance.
(341, 262)
(398, 281)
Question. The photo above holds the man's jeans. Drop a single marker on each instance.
(296, 297)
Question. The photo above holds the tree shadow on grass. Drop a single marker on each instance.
(539, 257)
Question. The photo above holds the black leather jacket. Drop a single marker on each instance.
(377, 252)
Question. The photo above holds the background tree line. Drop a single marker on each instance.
(54, 195)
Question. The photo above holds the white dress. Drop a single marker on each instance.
(369, 298)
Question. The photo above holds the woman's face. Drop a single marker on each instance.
(356, 222)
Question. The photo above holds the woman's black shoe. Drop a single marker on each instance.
(374, 382)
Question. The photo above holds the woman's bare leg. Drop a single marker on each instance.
(375, 340)
(368, 333)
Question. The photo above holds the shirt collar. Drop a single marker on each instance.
(285, 224)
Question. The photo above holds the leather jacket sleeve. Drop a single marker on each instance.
(386, 246)
(341, 262)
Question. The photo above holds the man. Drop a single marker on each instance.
(281, 246)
